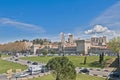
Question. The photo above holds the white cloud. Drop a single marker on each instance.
(89, 32)
(110, 17)
(98, 29)
(25, 26)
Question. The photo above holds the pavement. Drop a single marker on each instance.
(23, 62)
(93, 71)
(3, 76)
(98, 71)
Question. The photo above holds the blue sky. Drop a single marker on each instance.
(29, 19)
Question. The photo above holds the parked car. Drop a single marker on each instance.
(16, 59)
(40, 54)
(84, 71)
(29, 62)
(114, 75)
(22, 74)
(56, 54)
(44, 69)
(11, 58)
(49, 54)
(34, 63)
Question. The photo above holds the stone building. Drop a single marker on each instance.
(70, 38)
(98, 41)
(34, 48)
(83, 46)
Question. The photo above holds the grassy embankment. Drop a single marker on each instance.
(92, 61)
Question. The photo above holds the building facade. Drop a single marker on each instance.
(95, 45)
(98, 41)
(83, 46)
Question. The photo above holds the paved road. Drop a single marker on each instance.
(23, 62)
(94, 71)
(3, 76)
(98, 72)
(20, 61)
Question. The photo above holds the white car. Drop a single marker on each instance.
(22, 74)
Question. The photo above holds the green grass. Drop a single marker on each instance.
(47, 77)
(6, 65)
(3, 56)
(92, 61)
(88, 77)
(43, 59)
(79, 77)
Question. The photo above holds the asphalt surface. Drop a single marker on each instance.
(23, 62)
(93, 71)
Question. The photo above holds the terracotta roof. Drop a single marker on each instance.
(102, 47)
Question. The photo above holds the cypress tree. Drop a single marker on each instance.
(100, 58)
(85, 59)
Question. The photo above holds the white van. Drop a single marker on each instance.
(34, 69)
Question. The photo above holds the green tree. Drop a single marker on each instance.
(62, 68)
(41, 41)
(46, 41)
(52, 52)
(37, 41)
(0, 55)
(118, 60)
(100, 58)
(114, 45)
(44, 52)
(85, 59)
(14, 47)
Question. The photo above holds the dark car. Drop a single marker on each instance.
(16, 59)
(11, 58)
(34, 63)
(84, 71)
(44, 69)
(29, 62)
(114, 75)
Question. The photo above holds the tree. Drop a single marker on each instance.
(41, 41)
(62, 68)
(100, 58)
(44, 52)
(118, 60)
(0, 55)
(46, 41)
(85, 59)
(114, 45)
(37, 41)
(52, 52)
(13, 47)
